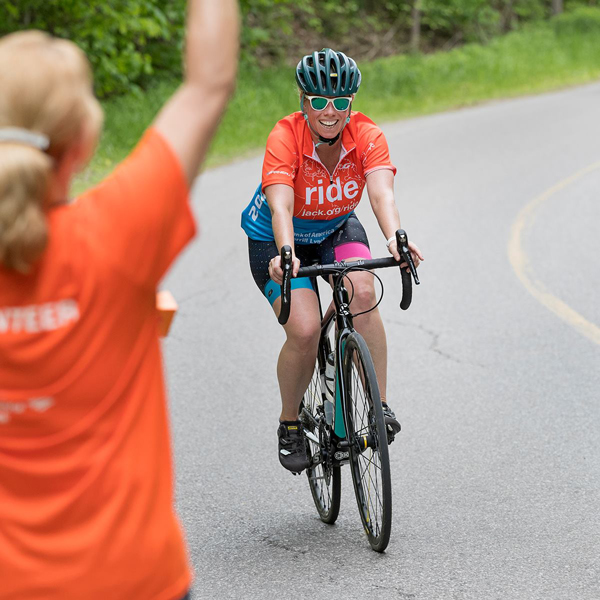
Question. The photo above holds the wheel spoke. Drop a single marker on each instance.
(372, 486)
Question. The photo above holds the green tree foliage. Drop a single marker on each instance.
(584, 20)
(129, 42)
(124, 39)
(280, 29)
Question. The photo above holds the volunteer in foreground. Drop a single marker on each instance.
(86, 495)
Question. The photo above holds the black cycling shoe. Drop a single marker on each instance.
(391, 423)
(292, 446)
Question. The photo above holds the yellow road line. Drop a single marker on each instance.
(520, 263)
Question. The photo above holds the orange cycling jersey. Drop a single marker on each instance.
(322, 200)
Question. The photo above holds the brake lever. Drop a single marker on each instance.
(404, 250)
(286, 296)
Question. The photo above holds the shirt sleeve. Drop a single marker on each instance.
(139, 217)
(281, 156)
(374, 152)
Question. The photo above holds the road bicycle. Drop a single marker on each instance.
(341, 410)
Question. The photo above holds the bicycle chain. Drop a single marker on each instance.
(325, 440)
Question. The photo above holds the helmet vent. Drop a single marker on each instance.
(328, 73)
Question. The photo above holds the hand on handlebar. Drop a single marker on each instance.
(416, 254)
(276, 272)
(408, 252)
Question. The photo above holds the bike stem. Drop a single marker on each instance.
(342, 304)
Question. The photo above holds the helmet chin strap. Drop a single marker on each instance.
(324, 140)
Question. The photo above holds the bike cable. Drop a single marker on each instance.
(343, 275)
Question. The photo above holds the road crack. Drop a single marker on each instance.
(281, 546)
(398, 592)
(434, 345)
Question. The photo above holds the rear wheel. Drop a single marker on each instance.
(369, 458)
(324, 479)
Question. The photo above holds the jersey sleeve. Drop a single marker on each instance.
(281, 156)
(139, 217)
(374, 151)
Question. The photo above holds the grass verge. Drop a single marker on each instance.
(541, 57)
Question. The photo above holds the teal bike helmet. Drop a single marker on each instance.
(328, 73)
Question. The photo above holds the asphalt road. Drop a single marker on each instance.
(494, 373)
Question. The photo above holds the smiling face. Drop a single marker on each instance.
(328, 122)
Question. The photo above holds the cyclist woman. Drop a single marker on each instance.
(317, 162)
(86, 506)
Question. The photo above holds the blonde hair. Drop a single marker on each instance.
(46, 88)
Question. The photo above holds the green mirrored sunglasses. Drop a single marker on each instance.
(320, 103)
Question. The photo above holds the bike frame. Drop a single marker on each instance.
(344, 327)
(333, 434)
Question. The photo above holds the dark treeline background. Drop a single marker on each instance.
(130, 42)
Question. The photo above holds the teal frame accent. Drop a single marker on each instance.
(339, 426)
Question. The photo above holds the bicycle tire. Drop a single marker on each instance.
(369, 457)
(324, 479)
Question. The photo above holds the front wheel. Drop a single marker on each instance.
(369, 458)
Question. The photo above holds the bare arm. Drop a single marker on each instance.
(280, 199)
(380, 187)
(190, 118)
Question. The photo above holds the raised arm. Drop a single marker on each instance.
(190, 118)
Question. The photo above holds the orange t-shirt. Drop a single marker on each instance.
(86, 502)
